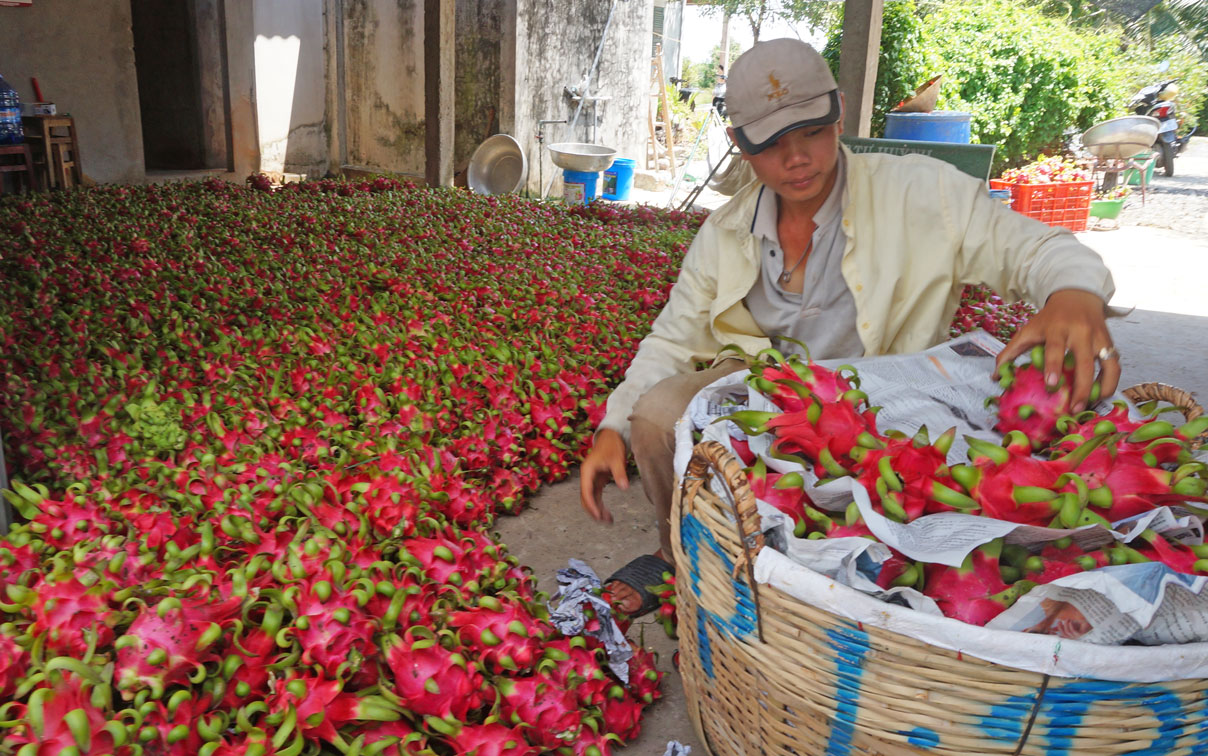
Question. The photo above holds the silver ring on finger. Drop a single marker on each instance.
(1108, 353)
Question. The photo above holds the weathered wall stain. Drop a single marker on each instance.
(478, 75)
(384, 93)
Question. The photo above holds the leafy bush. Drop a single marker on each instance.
(1024, 77)
(901, 66)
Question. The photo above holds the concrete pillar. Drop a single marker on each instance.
(337, 85)
(244, 156)
(858, 62)
(209, 22)
(507, 68)
(439, 49)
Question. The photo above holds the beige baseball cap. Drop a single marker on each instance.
(777, 86)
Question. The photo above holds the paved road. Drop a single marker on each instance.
(1178, 203)
(1159, 259)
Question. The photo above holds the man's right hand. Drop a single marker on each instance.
(605, 462)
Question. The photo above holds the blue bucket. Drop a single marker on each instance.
(618, 179)
(579, 186)
(937, 126)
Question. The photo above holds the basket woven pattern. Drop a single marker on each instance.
(765, 673)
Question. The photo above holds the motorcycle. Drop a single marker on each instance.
(1157, 101)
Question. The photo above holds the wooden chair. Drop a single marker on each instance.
(55, 149)
(22, 168)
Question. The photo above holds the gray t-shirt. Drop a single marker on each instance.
(823, 315)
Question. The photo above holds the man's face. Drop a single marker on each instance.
(800, 165)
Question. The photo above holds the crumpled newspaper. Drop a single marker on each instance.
(578, 585)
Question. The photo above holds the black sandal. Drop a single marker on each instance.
(640, 574)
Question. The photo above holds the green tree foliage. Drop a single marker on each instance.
(703, 74)
(901, 65)
(1024, 76)
(814, 14)
(1169, 41)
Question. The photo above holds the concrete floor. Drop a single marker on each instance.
(1158, 272)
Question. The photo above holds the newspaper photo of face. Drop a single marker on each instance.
(1061, 619)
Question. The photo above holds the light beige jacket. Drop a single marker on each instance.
(917, 231)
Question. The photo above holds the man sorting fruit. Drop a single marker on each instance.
(851, 254)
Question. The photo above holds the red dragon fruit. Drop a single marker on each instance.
(621, 714)
(391, 739)
(169, 642)
(329, 624)
(69, 615)
(14, 661)
(504, 634)
(1009, 483)
(1029, 404)
(547, 713)
(319, 705)
(575, 664)
(64, 717)
(785, 492)
(171, 728)
(488, 739)
(431, 680)
(974, 592)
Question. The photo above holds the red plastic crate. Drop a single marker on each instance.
(1067, 204)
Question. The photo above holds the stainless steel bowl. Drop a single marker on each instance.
(1121, 138)
(575, 156)
(497, 166)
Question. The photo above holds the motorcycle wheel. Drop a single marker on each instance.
(1167, 151)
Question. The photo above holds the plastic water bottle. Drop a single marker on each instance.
(10, 115)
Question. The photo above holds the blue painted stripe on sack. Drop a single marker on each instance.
(702, 643)
(742, 621)
(1065, 706)
(850, 646)
(921, 737)
(1005, 721)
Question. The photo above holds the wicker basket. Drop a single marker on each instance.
(765, 673)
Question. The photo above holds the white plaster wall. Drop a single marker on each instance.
(290, 86)
(82, 52)
(556, 41)
(384, 84)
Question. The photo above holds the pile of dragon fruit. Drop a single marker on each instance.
(1054, 468)
(1054, 169)
(983, 310)
(257, 440)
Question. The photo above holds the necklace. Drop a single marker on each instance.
(787, 275)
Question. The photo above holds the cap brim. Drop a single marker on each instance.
(757, 136)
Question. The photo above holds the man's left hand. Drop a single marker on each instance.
(1072, 320)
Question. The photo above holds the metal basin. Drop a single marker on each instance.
(588, 158)
(1121, 138)
(497, 166)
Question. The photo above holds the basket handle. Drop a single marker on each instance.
(1181, 399)
(710, 456)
